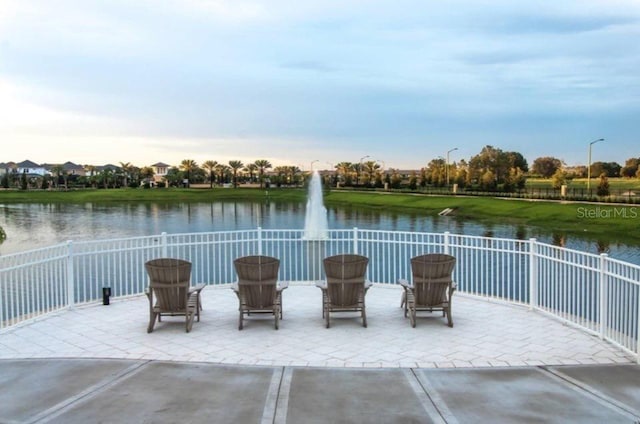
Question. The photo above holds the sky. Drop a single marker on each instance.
(317, 82)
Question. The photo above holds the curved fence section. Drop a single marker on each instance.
(594, 292)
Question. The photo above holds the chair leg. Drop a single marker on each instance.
(326, 316)
(152, 321)
(189, 319)
(364, 318)
(403, 299)
(449, 317)
(412, 316)
(276, 314)
(240, 320)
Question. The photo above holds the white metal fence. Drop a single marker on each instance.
(594, 292)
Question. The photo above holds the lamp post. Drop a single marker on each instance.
(589, 163)
(359, 169)
(447, 165)
(311, 166)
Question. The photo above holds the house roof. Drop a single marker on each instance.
(161, 165)
(28, 164)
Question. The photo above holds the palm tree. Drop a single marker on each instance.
(126, 168)
(222, 172)
(370, 167)
(235, 165)
(345, 170)
(210, 166)
(91, 169)
(147, 173)
(262, 164)
(57, 170)
(251, 170)
(188, 165)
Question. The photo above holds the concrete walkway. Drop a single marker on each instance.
(500, 363)
(123, 391)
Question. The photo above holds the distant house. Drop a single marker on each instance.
(74, 169)
(160, 171)
(7, 167)
(30, 168)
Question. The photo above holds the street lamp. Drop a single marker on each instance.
(359, 169)
(447, 167)
(311, 166)
(589, 163)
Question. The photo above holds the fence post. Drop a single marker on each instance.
(355, 240)
(259, 240)
(163, 237)
(71, 296)
(446, 242)
(533, 273)
(638, 338)
(602, 281)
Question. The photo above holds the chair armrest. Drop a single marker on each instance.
(282, 285)
(234, 287)
(404, 283)
(367, 285)
(454, 286)
(197, 288)
(321, 285)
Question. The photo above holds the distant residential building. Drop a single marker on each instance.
(74, 169)
(30, 168)
(7, 167)
(160, 171)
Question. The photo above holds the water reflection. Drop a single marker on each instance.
(559, 239)
(603, 246)
(30, 226)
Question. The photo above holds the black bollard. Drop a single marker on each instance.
(106, 292)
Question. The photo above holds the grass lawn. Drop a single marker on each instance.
(599, 221)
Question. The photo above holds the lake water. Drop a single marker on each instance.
(30, 226)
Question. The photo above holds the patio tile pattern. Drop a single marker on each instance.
(485, 334)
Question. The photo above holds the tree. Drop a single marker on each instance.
(612, 169)
(369, 169)
(559, 178)
(57, 170)
(546, 166)
(91, 170)
(395, 180)
(436, 172)
(603, 185)
(235, 165)
(210, 166)
(345, 170)
(251, 169)
(488, 180)
(630, 168)
(493, 162)
(146, 174)
(413, 181)
(126, 169)
(262, 164)
(516, 180)
(223, 170)
(188, 166)
(174, 176)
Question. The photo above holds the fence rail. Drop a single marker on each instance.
(594, 292)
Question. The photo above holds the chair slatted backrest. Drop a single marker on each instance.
(169, 279)
(257, 280)
(432, 278)
(345, 278)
